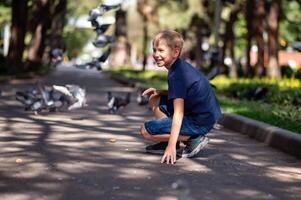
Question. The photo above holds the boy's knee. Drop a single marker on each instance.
(144, 133)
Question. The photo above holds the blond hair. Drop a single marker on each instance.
(172, 38)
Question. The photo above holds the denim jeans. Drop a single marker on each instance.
(163, 125)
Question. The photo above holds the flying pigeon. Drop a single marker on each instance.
(94, 13)
(101, 29)
(99, 11)
(103, 40)
(89, 65)
(105, 8)
(117, 102)
(104, 56)
(57, 56)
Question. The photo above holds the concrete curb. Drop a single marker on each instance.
(284, 140)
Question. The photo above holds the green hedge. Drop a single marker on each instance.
(285, 92)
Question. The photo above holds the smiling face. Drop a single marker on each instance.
(164, 55)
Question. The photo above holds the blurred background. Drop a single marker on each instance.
(238, 38)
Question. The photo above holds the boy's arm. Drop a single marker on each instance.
(170, 154)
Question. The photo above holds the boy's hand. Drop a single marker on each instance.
(170, 155)
(151, 92)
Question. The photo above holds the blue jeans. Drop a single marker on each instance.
(163, 126)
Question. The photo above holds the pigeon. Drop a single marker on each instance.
(105, 8)
(258, 93)
(52, 98)
(31, 100)
(57, 56)
(101, 29)
(117, 102)
(79, 94)
(142, 100)
(103, 40)
(89, 65)
(104, 56)
(99, 11)
(73, 95)
(94, 13)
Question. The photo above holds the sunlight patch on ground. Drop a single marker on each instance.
(285, 174)
(134, 173)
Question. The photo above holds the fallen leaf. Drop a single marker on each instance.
(113, 140)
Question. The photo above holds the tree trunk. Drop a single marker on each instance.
(18, 31)
(58, 14)
(145, 41)
(121, 48)
(259, 28)
(273, 69)
(229, 41)
(41, 25)
(247, 68)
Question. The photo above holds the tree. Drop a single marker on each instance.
(147, 12)
(121, 48)
(18, 31)
(40, 25)
(229, 39)
(58, 16)
(273, 69)
(258, 28)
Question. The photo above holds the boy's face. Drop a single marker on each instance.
(164, 55)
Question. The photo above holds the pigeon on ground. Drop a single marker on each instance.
(117, 102)
(52, 98)
(142, 100)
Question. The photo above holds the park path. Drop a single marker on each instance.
(90, 154)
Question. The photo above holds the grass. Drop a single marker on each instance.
(269, 113)
(277, 115)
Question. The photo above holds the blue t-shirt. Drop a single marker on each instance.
(186, 82)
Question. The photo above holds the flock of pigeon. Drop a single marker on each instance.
(101, 40)
(42, 98)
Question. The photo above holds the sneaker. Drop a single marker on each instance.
(159, 148)
(194, 146)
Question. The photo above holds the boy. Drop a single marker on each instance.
(189, 110)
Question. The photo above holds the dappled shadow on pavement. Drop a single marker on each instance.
(91, 154)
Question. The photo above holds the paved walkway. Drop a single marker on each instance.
(90, 154)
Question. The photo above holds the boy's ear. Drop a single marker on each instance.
(177, 52)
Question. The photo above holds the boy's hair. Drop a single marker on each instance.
(172, 38)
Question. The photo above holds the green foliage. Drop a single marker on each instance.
(290, 26)
(76, 39)
(79, 7)
(5, 15)
(284, 92)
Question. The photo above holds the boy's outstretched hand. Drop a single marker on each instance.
(151, 92)
(170, 155)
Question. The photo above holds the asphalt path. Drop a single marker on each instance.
(88, 154)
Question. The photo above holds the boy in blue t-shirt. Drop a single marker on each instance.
(187, 111)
